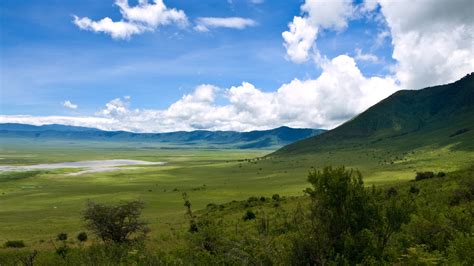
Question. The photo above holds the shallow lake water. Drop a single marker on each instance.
(93, 166)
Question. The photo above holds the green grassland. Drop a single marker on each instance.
(35, 206)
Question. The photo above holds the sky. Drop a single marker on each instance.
(170, 65)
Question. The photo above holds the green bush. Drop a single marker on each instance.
(276, 197)
(249, 215)
(461, 251)
(424, 175)
(414, 190)
(350, 224)
(61, 237)
(392, 192)
(63, 251)
(14, 244)
(82, 237)
(252, 199)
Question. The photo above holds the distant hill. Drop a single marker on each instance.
(441, 115)
(245, 140)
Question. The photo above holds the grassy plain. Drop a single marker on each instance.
(37, 206)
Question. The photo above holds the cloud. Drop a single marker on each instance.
(116, 108)
(381, 36)
(68, 104)
(118, 29)
(432, 40)
(365, 57)
(256, 2)
(328, 14)
(135, 20)
(151, 15)
(203, 24)
(299, 40)
(338, 94)
(317, 16)
(368, 6)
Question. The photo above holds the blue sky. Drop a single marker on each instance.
(46, 59)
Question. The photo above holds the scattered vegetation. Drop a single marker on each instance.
(17, 175)
(340, 221)
(14, 244)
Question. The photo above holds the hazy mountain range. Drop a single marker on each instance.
(245, 140)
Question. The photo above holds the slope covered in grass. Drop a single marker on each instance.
(437, 116)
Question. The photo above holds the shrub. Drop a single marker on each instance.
(424, 175)
(350, 224)
(414, 190)
(62, 251)
(82, 237)
(15, 244)
(211, 205)
(460, 195)
(461, 250)
(210, 239)
(62, 237)
(441, 174)
(29, 259)
(116, 223)
(392, 192)
(252, 199)
(276, 197)
(263, 199)
(249, 215)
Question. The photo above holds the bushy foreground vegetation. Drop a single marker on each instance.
(340, 222)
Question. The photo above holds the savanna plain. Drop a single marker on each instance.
(36, 205)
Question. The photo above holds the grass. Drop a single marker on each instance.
(36, 207)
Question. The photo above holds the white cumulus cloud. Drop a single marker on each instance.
(432, 40)
(317, 15)
(205, 23)
(116, 29)
(299, 39)
(135, 19)
(68, 104)
(339, 93)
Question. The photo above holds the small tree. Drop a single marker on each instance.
(350, 224)
(276, 197)
(62, 237)
(249, 215)
(116, 223)
(82, 237)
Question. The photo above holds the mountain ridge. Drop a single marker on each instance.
(245, 140)
(433, 115)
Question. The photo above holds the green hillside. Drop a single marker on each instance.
(409, 119)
